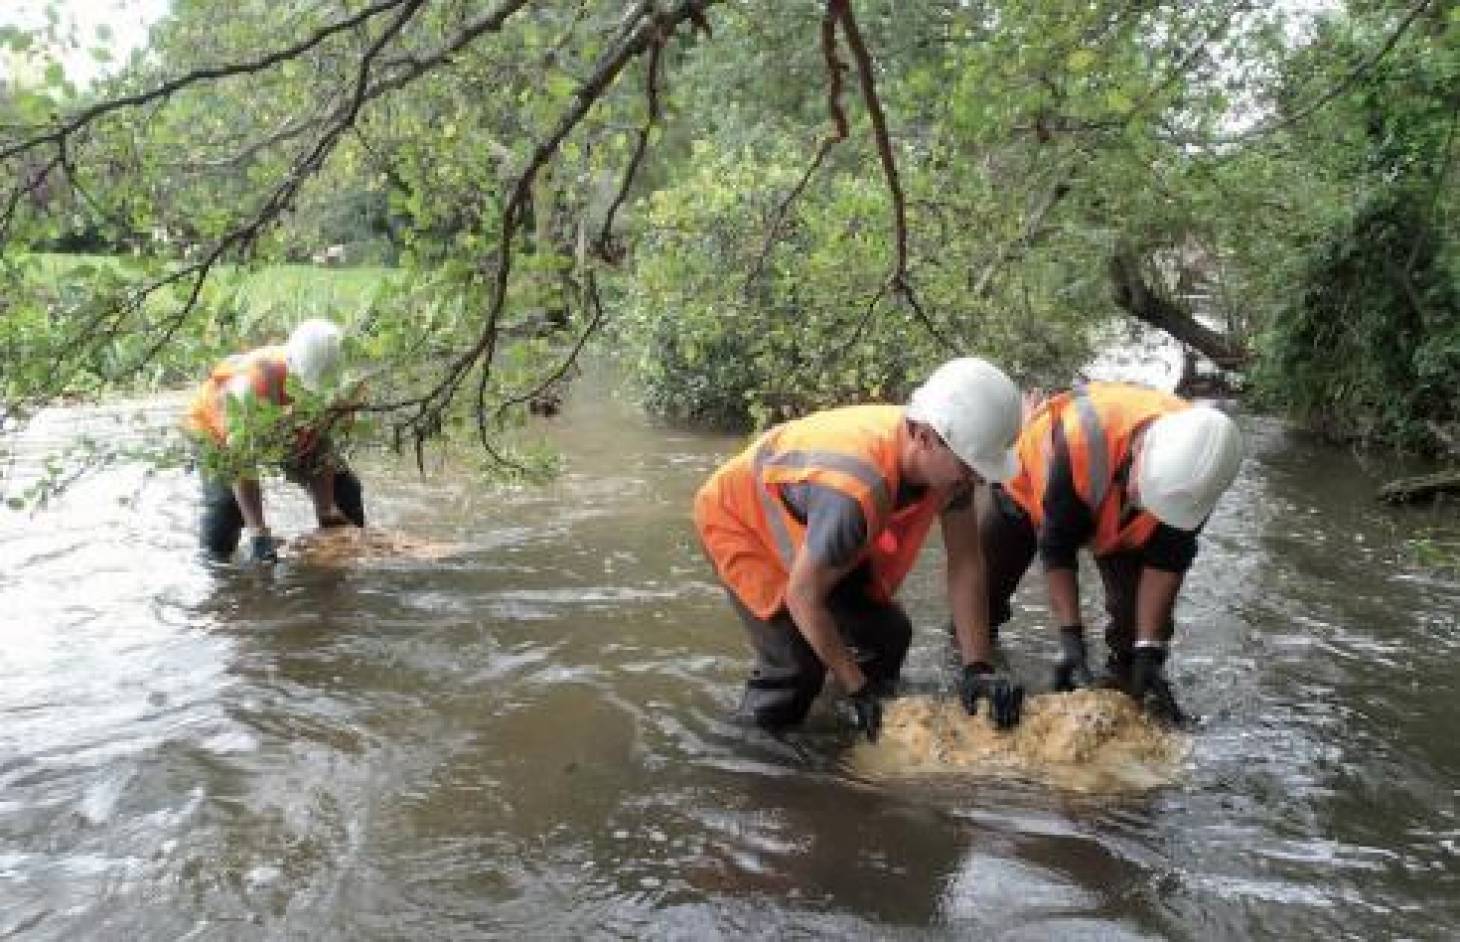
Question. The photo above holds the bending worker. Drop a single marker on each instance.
(815, 525)
(245, 413)
(1132, 473)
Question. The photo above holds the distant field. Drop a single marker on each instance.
(245, 307)
(268, 298)
(298, 291)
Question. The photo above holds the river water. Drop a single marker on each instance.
(533, 737)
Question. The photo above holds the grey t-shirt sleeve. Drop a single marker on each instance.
(836, 530)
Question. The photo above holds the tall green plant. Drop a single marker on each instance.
(1369, 347)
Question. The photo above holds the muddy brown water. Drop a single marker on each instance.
(532, 737)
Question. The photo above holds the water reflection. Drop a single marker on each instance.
(533, 736)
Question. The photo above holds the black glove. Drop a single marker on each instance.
(1116, 675)
(263, 549)
(866, 710)
(1006, 698)
(1072, 670)
(1149, 687)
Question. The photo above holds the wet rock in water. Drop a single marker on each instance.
(342, 546)
(1088, 740)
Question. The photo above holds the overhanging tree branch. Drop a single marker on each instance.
(602, 247)
(843, 11)
(32, 181)
(104, 326)
(898, 280)
(1343, 85)
(481, 354)
(834, 69)
(1032, 227)
(592, 302)
(1132, 293)
(90, 114)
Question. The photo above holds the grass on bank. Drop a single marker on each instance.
(266, 297)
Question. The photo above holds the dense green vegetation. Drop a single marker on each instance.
(248, 305)
(1367, 345)
(765, 207)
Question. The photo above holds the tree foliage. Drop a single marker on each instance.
(1365, 343)
(788, 204)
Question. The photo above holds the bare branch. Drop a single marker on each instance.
(863, 59)
(899, 278)
(73, 179)
(905, 288)
(651, 93)
(247, 152)
(590, 293)
(1130, 291)
(834, 69)
(32, 183)
(860, 327)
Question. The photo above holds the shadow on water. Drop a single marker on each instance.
(533, 736)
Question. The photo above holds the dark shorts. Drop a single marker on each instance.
(787, 675)
(221, 522)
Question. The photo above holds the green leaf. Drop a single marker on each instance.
(560, 86)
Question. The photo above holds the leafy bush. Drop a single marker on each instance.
(1369, 347)
(724, 331)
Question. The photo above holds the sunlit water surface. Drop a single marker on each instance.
(533, 737)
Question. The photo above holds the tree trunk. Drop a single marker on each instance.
(1131, 292)
(1408, 490)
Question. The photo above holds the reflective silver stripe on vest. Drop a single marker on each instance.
(863, 471)
(768, 505)
(1099, 458)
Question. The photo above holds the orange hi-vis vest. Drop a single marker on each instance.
(267, 373)
(751, 536)
(1099, 420)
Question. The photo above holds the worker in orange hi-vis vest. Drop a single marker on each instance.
(1132, 474)
(814, 526)
(245, 384)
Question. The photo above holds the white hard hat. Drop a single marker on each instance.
(313, 353)
(1187, 461)
(975, 409)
